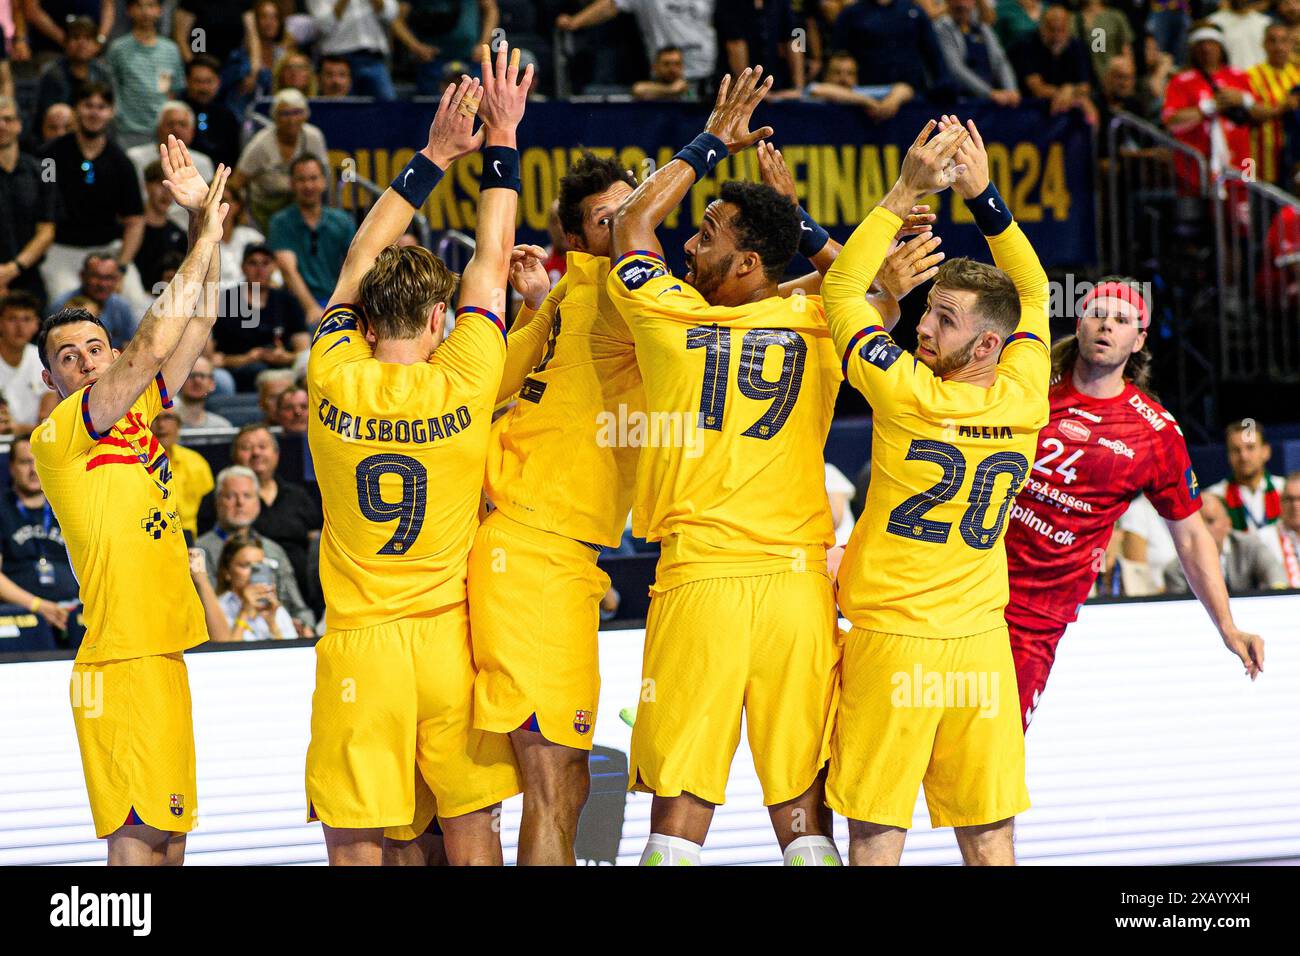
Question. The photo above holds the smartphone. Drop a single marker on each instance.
(261, 573)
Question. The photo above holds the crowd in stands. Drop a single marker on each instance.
(89, 88)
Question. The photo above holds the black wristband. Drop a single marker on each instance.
(500, 169)
(990, 211)
(417, 180)
(812, 237)
(702, 154)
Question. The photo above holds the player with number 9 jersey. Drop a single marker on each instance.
(399, 453)
(399, 427)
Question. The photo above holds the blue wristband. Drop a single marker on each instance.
(812, 237)
(500, 169)
(702, 154)
(990, 211)
(417, 180)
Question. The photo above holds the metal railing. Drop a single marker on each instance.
(455, 248)
(1161, 228)
(1259, 241)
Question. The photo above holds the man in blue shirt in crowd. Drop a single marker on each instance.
(310, 239)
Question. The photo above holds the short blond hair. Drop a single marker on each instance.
(400, 289)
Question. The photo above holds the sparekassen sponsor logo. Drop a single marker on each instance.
(1095, 419)
(1117, 446)
(74, 908)
(1050, 492)
(1153, 418)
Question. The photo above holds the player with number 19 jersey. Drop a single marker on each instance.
(731, 481)
(1094, 457)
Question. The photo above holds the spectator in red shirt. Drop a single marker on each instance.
(1207, 107)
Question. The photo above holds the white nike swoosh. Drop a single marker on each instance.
(805, 227)
(993, 204)
(406, 177)
(496, 166)
(712, 153)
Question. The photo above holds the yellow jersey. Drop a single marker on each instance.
(399, 453)
(927, 559)
(1271, 86)
(112, 495)
(738, 404)
(556, 462)
(191, 481)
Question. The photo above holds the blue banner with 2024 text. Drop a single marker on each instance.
(841, 161)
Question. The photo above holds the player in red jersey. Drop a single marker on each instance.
(1106, 442)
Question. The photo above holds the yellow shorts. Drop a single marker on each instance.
(136, 736)
(534, 608)
(426, 811)
(389, 698)
(942, 712)
(766, 644)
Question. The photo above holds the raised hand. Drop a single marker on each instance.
(919, 220)
(505, 92)
(971, 157)
(735, 105)
(214, 210)
(451, 135)
(908, 265)
(930, 165)
(528, 275)
(181, 177)
(774, 172)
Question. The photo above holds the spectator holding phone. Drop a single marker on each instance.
(36, 574)
(247, 593)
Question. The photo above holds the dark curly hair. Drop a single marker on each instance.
(765, 222)
(589, 175)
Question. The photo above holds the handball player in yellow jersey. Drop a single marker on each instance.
(108, 480)
(740, 384)
(399, 431)
(928, 683)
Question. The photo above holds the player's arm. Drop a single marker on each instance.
(1199, 557)
(727, 131)
(1012, 253)
(904, 268)
(532, 327)
(505, 93)
(853, 320)
(451, 136)
(188, 189)
(164, 325)
(815, 243)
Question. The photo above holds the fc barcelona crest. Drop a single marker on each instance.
(178, 804)
(582, 721)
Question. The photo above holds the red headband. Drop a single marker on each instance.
(1122, 291)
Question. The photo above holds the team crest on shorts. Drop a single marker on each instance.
(582, 721)
(178, 804)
